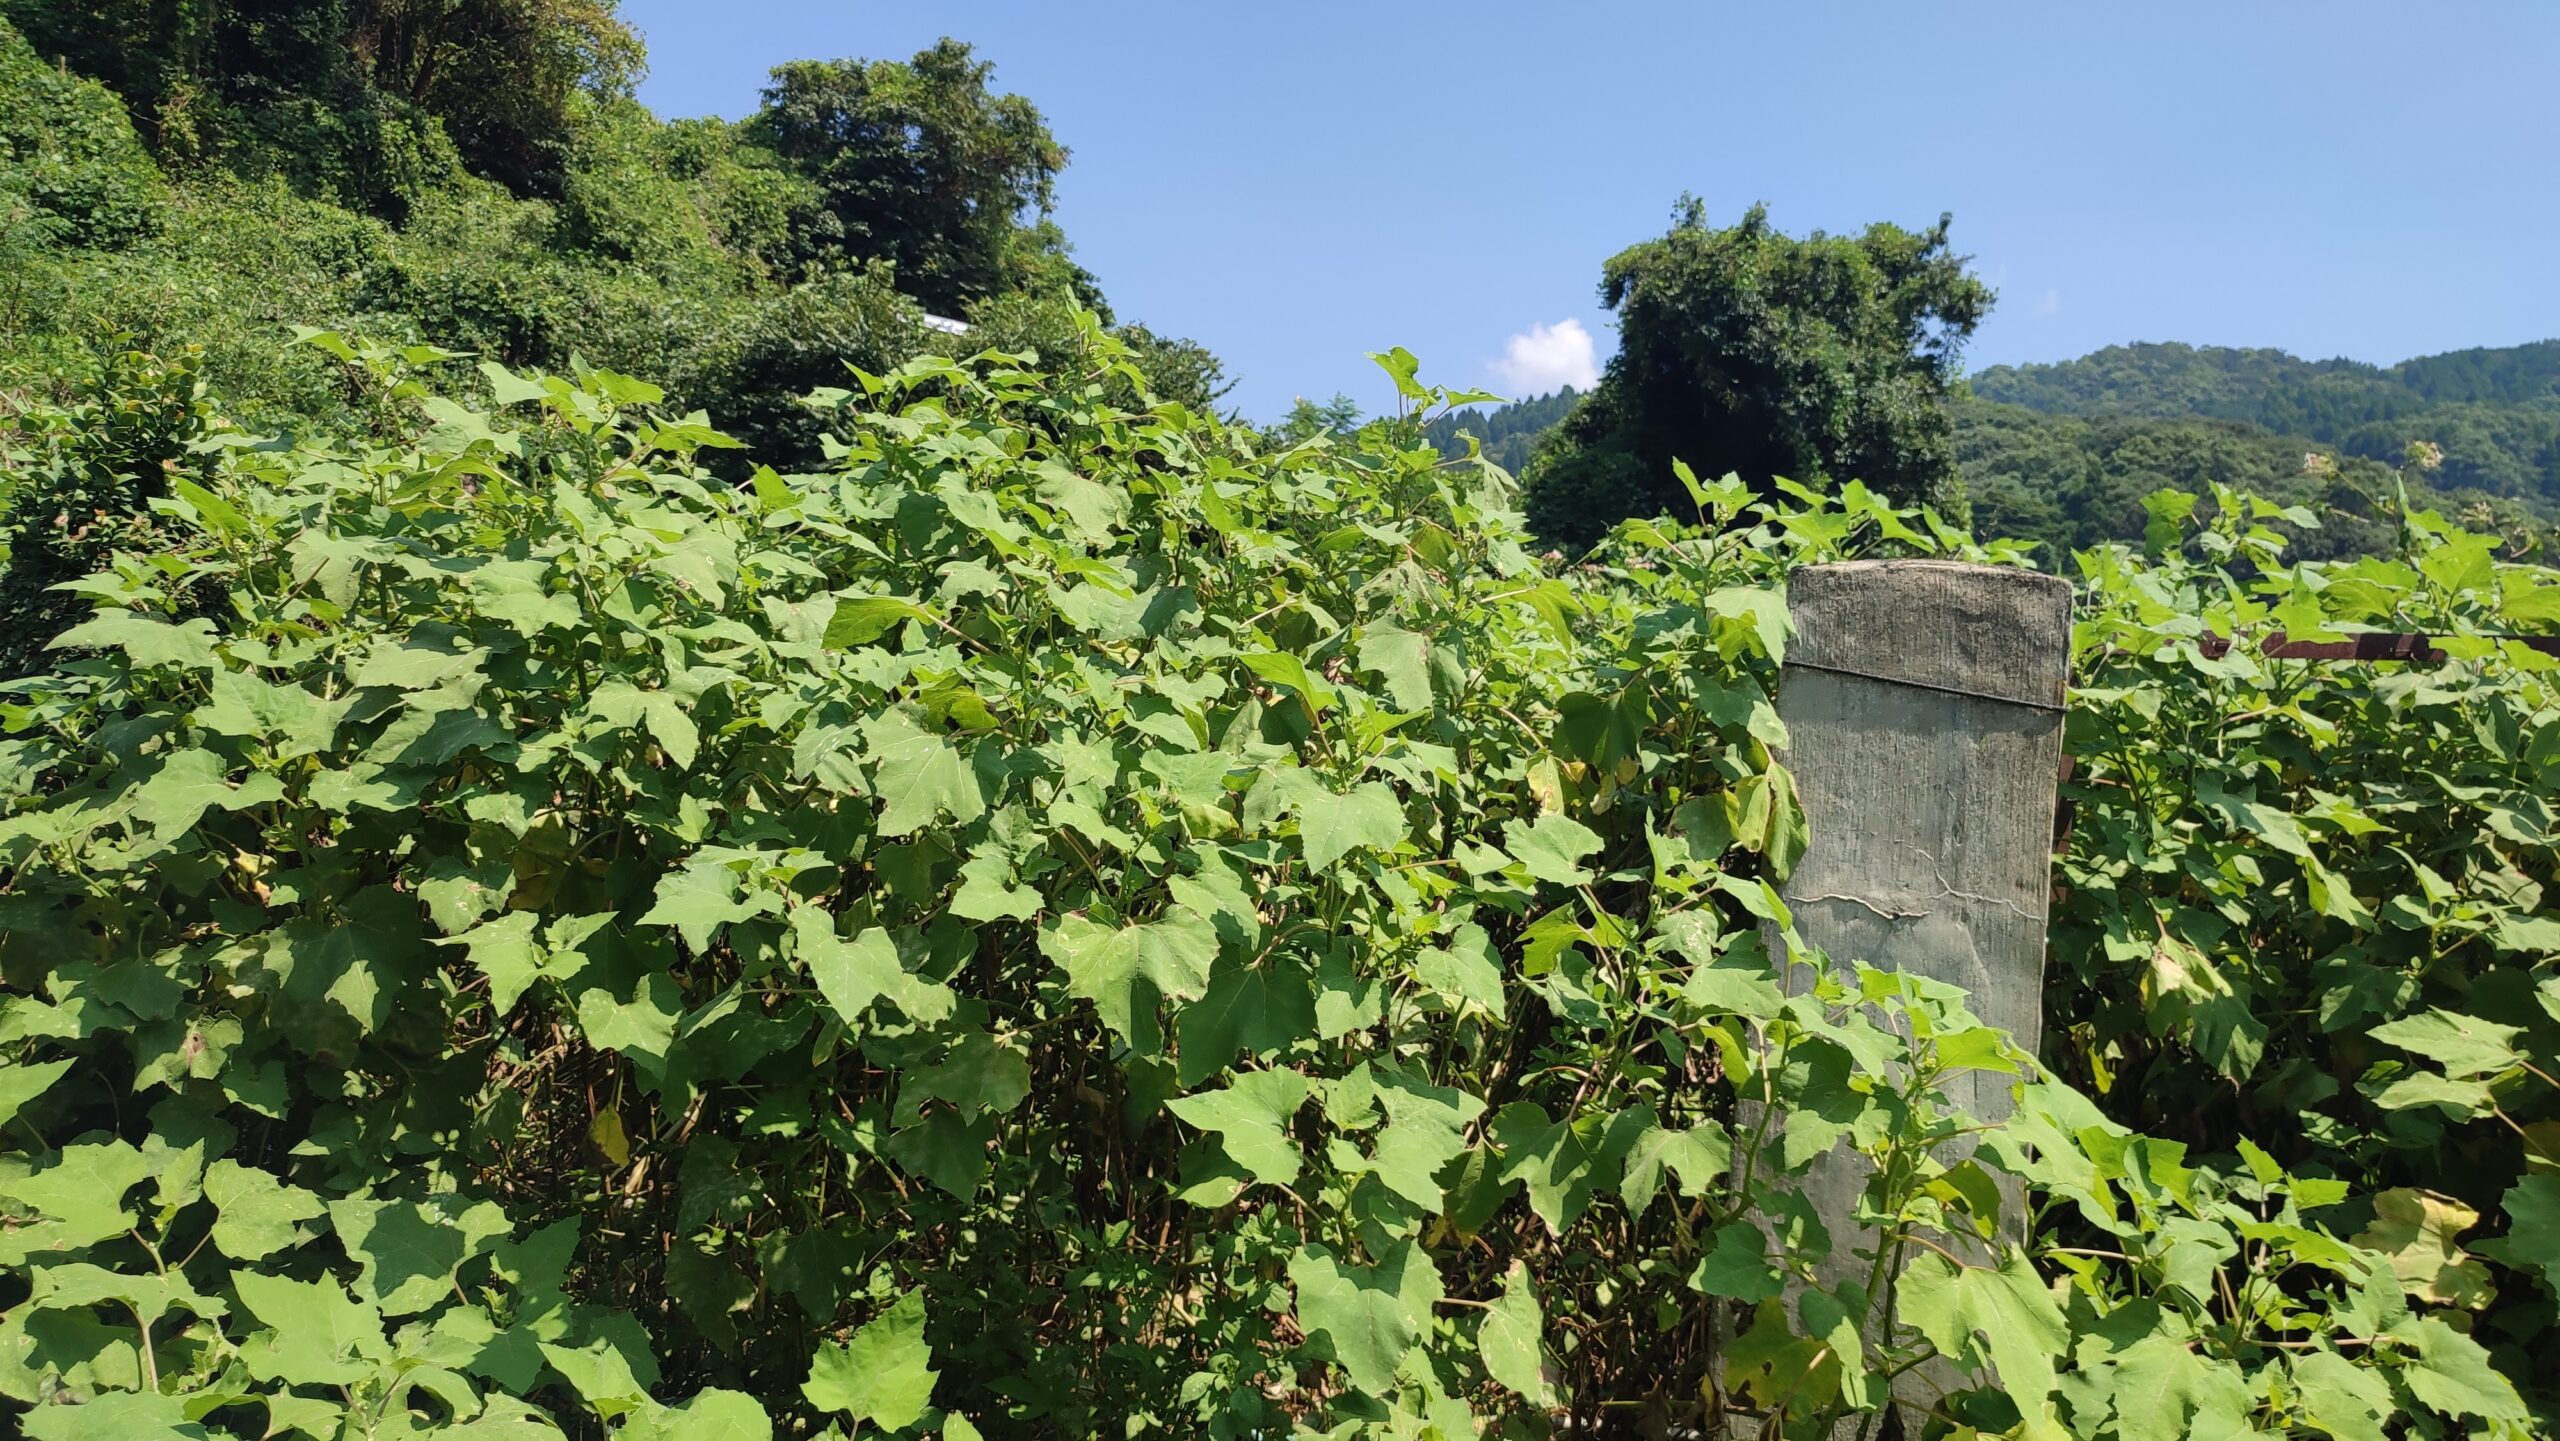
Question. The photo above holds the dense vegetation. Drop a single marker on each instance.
(1073, 915)
(2046, 453)
(477, 176)
(852, 893)
(2314, 904)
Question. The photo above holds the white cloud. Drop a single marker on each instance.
(1544, 357)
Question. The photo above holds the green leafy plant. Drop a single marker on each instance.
(2310, 902)
(1071, 920)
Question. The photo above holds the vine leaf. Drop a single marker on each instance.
(712, 1415)
(1332, 827)
(317, 1334)
(1125, 970)
(918, 775)
(20, 1084)
(2532, 1241)
(256, 1215)
(2008, 1307)
(1250, 1117)
(2452, 1374)
(1511, 1340)
(2417, 1231)
(1368, 1315)
(1551, 848)
(852, 974)
(884, 1375)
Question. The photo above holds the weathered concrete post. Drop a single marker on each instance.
(1923, 703)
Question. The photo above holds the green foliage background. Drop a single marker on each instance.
(477, 177)
(1071, 918)
(852, 893)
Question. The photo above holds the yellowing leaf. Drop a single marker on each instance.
(2417, 1230)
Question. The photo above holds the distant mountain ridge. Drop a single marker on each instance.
(2273, 388)
(2495, 411)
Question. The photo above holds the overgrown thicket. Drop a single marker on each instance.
(477, 175)
(1070, 920)
(2313, 903)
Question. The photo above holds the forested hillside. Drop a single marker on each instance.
(1507, 432)
(2495, 413)
(477, 176)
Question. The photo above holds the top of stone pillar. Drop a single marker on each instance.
(1998, 632)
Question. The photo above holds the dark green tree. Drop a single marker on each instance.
(917, 164)
(1745, 350)
(368, 101)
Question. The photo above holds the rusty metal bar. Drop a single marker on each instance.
(2378, 645)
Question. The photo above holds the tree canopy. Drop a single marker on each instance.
(1748, 351)
(915, 163)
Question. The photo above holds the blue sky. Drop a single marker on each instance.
(1296, 185)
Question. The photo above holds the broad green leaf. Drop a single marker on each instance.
(2344, 1399)
(1552, 848)
(2464, 1045)
(1425, 1131)
(317, 1335)
(1403, 660)
(1563, 1162)
(82, 1193)
(861, 619)
(851, 974)
(506, 387)
(1367, 1316)
(2002, 1315)
(1369, 816)
(1512, 1339)
(116, 1416)
(884, 1375)
(1126, 970)
(412, 1251)
(602, 1377)
(257, 1214)
(2417, 1230)
(505, 951)
(1254, 1009)
(1737, 1265)
(1251, 1120)
(1696, 1157)
(979, 1073)
(946, 1148)
(707, 894)
(146, 1297)
(2453, 1374)
(178, 791)
(145, 640)
(918, 775)
(2166, 1391)
(712, 1415)
(2532, 1242)
(22, 1083)
(1467, 969)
